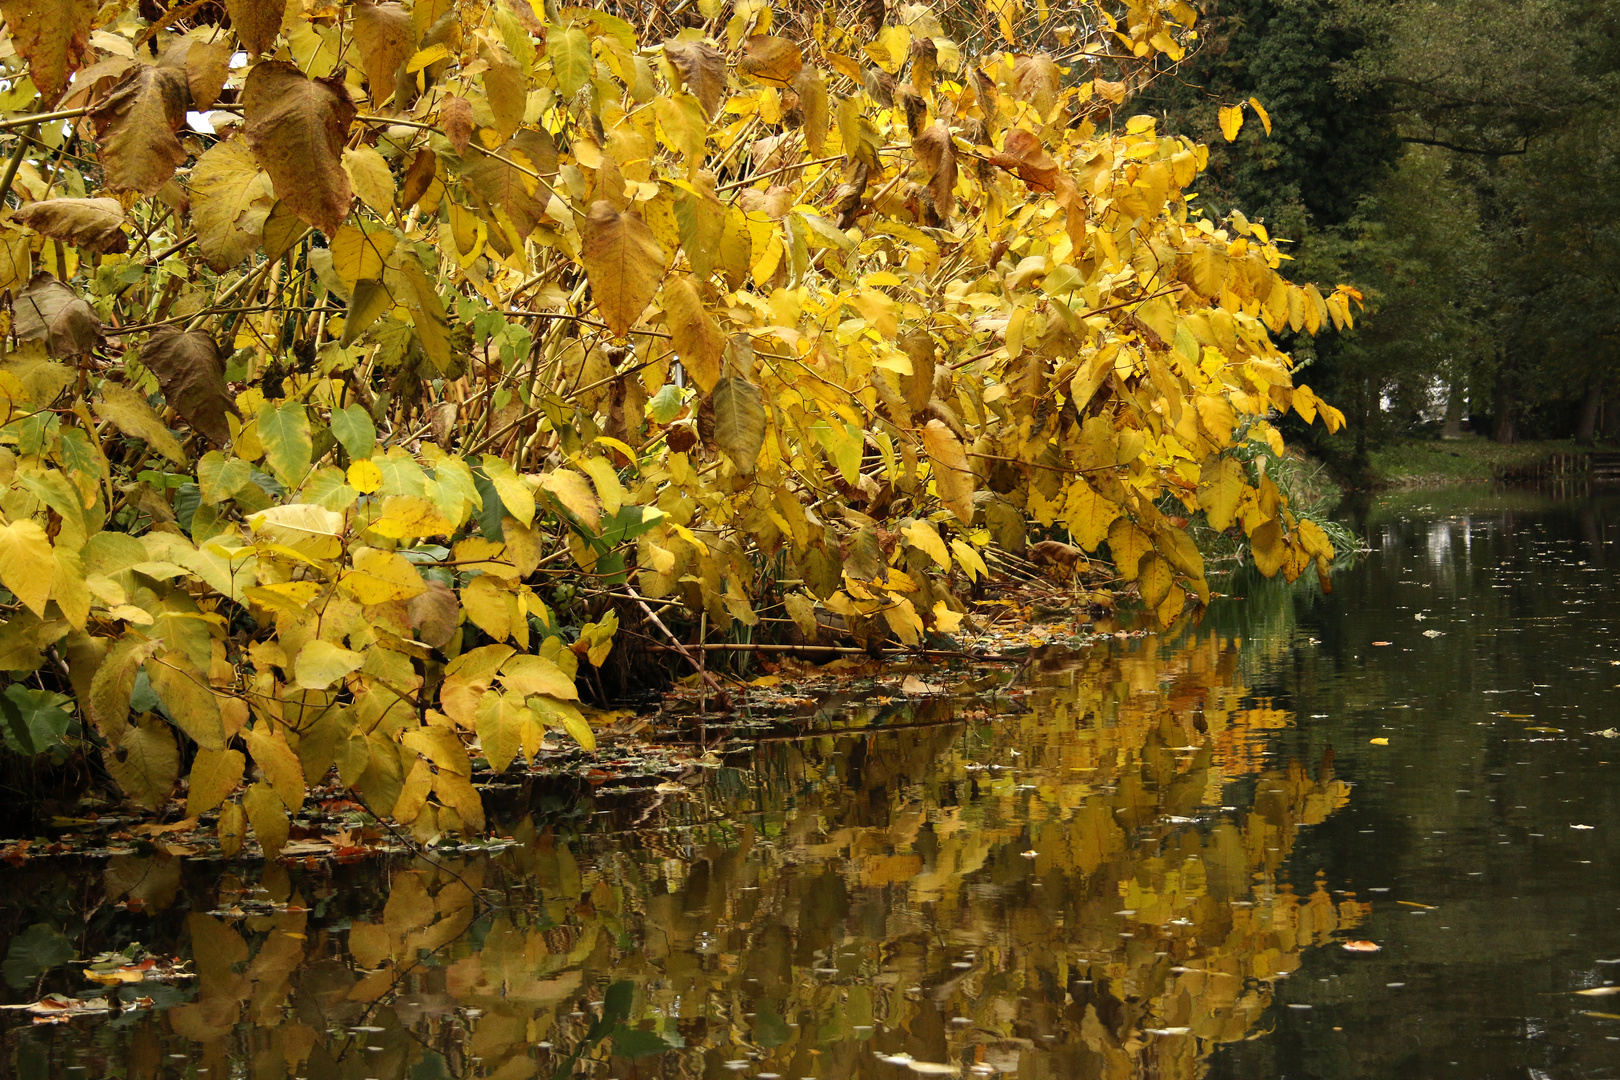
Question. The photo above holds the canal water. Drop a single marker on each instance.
(1142, 859)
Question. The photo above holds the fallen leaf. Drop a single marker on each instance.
(1599, 991)
(1378, 742)
(1361, 946)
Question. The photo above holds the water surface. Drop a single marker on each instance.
(1142, 859)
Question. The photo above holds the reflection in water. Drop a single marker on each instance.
(1074, 877)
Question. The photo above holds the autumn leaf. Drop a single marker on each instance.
(26, 563)
(569, 51)
(268, 816)
(192, 373)
(214, 774)
(937, 154)
(739, 422)
(1231, 118)
(49, 311)
(257, 23)
(1259, 110)
(53, 36)
(94, 224)
(136, 126)
(145, 764)
(127, 409)
(297, 127)
(953, 479)
(230, 199)
(697, 338)
(772, 60)
(623, 263)
(386, 38)
(703, 69)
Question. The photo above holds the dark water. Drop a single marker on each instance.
(1139, 860)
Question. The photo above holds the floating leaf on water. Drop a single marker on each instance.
(1599, 991)
(1362, 946)
(1378, 742)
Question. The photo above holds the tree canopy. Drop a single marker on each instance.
(369, 366)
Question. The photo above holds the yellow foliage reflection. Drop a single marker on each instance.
(1080, 880)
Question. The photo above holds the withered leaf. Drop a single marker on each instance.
(49, 311)
(499, 185)
(297, 127)
(136, 127)
(623, 263)
(769, 59)
(93, 224)
(257, 22)
(702, 68)
(936, 153)
(54, 37)
(192, 373)
(1024, 155)
(386, 37)
(456, 118)
(208, 63)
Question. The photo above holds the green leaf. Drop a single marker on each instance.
(284, 431)
(570, 54)
(35, 720)
(739, 422)
(34, 952)
(352, 427)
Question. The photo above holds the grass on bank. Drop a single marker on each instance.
(1472, 459)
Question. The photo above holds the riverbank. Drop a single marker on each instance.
(1472, 459)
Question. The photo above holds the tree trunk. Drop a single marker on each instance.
(1507, 410)
(1452, 428)
(1586, 426)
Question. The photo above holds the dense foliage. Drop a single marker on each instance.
(1454, 161)
(347, 433)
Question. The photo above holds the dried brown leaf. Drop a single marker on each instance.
(257, 22)
(191, 371)
(49, 311)
(386, 38)
(93, 224)
(702, 68)
(136, 127)
(54, 37)
(297, 127)
(769, 59)
(623, 263)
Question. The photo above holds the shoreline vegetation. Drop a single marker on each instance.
(1473, 459)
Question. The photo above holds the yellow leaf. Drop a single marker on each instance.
(411, 516)
(515, 494)
(364, 476)
(921, 535)
(575, 494)
(1231, 117)
(1220, 486)
(699, 344)
(1265, 117)
(1127, 543)
(268, 814)
(1154, 579)
(321, 663)
(623, 262)
(602, 474)
(214, 775)
(1268, 547)
(26, 563)
(1088, 514)
(127, 410)
(280, 765)
(379, 577)
(187, 698)
(529, 674)
(953, 480)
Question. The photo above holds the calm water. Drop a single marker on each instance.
(1140, 860)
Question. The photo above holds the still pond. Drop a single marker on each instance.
(1374, 833)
